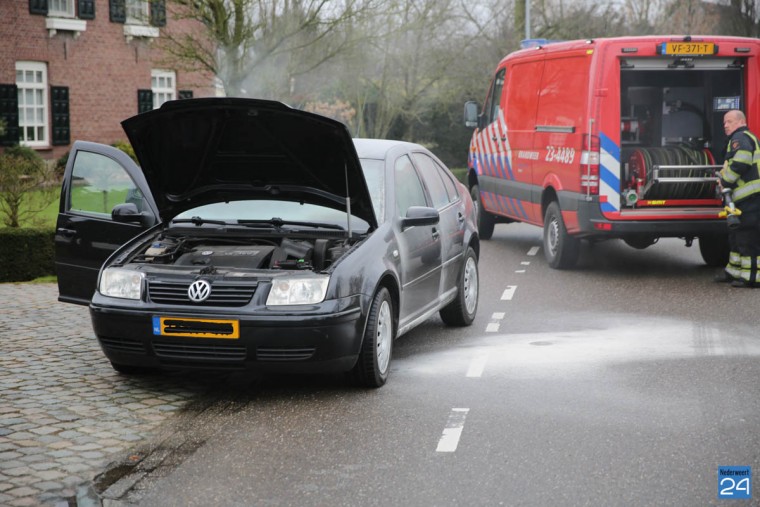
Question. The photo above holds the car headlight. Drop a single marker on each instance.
(298, 291)
(121, 283)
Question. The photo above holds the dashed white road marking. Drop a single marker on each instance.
(498, 316)
(508, 293)
(492, 327)
(533, 251)
(520, 271)
(477, 366)
(453, 431)
(525, 263)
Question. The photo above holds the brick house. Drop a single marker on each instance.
(74, 69)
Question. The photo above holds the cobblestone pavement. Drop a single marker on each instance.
(63, 410)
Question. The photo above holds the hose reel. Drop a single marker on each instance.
(669, 172)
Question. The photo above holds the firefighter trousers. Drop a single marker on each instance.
(744, 259)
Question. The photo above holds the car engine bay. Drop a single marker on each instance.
(214, 253)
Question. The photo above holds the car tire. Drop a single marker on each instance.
(374, 362)
(714, 249)
(128, 369)
(486, 221)
(461, 311)
(560, 249)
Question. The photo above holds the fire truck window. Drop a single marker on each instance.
(494, 98)
(409, 191)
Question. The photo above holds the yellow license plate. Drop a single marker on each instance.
(688, 48)
(196, 328)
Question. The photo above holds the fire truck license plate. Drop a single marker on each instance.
(687, 48)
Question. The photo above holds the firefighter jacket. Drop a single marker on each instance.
(742, 169)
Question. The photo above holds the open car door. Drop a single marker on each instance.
(104, 203)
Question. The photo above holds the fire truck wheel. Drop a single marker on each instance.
(560, 249)
(486, 221)
(714, 249)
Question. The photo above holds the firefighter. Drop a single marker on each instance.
(741, 173)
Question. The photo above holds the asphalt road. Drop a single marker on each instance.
(627, 381)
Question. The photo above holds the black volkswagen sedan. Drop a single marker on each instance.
(257, 236)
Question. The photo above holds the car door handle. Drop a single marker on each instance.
(460, 217)
(436, 234)
(69, 233)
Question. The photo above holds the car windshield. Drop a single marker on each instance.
(261, 211)
(374, 174)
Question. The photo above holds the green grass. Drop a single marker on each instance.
(82, 199)
(48, 216)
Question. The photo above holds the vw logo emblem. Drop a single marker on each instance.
(199, 291)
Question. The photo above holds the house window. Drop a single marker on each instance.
(31, 80)
(164, 86)
(138, 12)
(62, 8)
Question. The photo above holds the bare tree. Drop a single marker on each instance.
(417, 49)
(568, 19)
(243, 39)
(743, 18)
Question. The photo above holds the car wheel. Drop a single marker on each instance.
(128, 369)
(560, 249)
(714, 249)
(461, 311)
(374, 362)
(486, 221)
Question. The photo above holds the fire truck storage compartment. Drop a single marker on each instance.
(671, 122)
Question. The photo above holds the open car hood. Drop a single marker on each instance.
(200, 151)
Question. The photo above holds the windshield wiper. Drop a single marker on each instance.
(199, 221)
(279, 222)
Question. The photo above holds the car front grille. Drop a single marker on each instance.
(222, 293)
(222, 353)
(284, 354)
(122, 345)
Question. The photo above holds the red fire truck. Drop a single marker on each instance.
(612, 138)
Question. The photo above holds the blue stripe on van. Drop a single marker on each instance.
(609, 175)
(501, 166)
(509, 168)
(522, 210)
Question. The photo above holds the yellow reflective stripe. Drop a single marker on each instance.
(743, 156)
(733, 271)
(746, 190)
(734, 258)
(728, 175)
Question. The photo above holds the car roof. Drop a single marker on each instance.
(378, 148)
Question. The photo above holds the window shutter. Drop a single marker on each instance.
(86, 9)
(144, 101)
(185, 94)
(9, 114)
(60, 103)
(117, 11)
(158, 12)
(38, 7)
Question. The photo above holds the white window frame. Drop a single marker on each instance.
(138, 12)
(67, 10)
(33, 98)
(158, 85)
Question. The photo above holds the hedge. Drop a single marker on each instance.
(26, 254)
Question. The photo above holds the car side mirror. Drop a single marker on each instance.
(420, 215)
(471, 114)
(129, 213)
